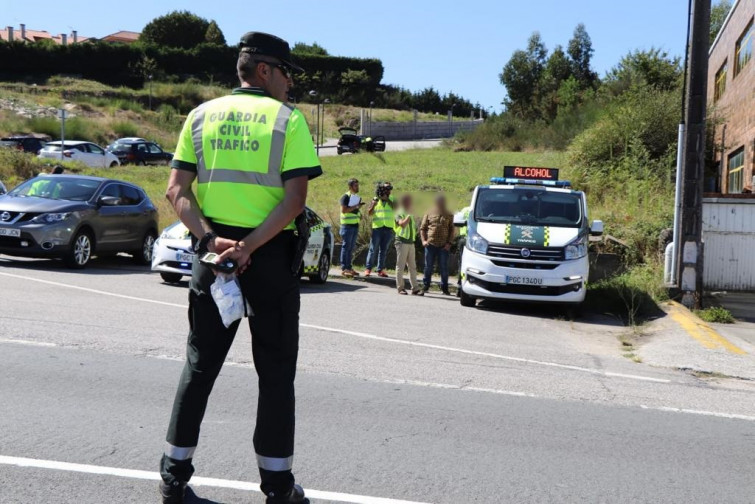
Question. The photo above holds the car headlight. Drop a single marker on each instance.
(477, 243)
(576, 249)
(50, 218)
(175, 233)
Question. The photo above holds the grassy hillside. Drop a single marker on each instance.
(105, 113)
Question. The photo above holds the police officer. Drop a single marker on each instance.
(251, 156)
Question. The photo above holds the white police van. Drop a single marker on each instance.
(172, 254)
(527, 239)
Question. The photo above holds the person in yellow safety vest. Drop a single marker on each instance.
(251, 157)
(381, 209)
(350, 203)
(461, 242)
(406, 236)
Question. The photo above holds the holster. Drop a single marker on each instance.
(302, 239)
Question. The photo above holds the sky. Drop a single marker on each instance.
(458, 46)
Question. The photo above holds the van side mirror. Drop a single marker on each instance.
(597, 228)
(460, 220)
(109, 201)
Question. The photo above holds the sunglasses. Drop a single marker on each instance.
(286, 71)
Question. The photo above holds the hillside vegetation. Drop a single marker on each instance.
(103, 113)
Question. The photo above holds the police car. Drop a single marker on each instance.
(527, 239)
(172, 254)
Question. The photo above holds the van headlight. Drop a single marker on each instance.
(576, 249)
(50, 218)
(477, 243)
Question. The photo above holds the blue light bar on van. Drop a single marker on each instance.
(516, 181)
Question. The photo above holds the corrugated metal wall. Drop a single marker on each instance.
(729, 236)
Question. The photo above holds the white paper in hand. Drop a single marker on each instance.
(354, 200)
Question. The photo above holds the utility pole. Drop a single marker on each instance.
(690, 254)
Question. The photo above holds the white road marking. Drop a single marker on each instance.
(486, 354)
(374, 337)
(733, 416)
(195, 481)
(27, 342)
(93, 291)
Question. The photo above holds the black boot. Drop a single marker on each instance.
(173, 493)
(293, 496)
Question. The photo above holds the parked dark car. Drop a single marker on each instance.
(76, 217)
(139, 152)
(352, 142)
(28, 144)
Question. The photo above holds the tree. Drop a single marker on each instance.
(521, 76)
(557, 69)
(314, 49)
(580, 52)
(214, 35)
(653, 68)
(718, 15)
(176, 29)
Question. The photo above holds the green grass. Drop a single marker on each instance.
(716, 314)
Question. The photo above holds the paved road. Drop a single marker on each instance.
(329, 149)
(401, 398)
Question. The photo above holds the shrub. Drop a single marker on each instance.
(716, 314)
(125, 129)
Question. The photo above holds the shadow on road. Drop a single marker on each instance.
(192, 498)
(551, 311)
(112, 265)
(308, 287)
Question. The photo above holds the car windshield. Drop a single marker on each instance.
(57, 187)
(532, 207)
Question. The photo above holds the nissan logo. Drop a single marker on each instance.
(526, 252)
(5, 216)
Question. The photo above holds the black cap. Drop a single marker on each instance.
(264, 44)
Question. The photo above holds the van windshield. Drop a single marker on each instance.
(527, 206)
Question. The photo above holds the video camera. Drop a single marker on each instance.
(383, 190)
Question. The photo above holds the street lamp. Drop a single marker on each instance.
(322, 128)
(313, 95)
(150, 91)
(372, 104)
(450, 120)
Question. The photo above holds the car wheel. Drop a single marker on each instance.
(81, 250)
(323, 269)
(113, 164)
(171, 277)
(466, 300)
(143, 256)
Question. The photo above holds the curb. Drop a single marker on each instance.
(698, 329)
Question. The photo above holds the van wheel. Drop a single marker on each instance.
(113, 164)
(143, 256)
(80, 251)
(466, 300)
(323, 269)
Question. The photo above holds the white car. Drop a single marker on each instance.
(76, 150)
(172, 255)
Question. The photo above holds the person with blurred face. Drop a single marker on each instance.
(437, 233)
(406, 235)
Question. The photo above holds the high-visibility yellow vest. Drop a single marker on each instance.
(349, 217)
(243, 147)
(465, 212)
(383, 214)
(406, 233)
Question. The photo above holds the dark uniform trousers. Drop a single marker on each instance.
(273, 293)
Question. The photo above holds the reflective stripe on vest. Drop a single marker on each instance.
(465, 214)
(351, 217)
(383, 215)
(408, 232)
(239, 155)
